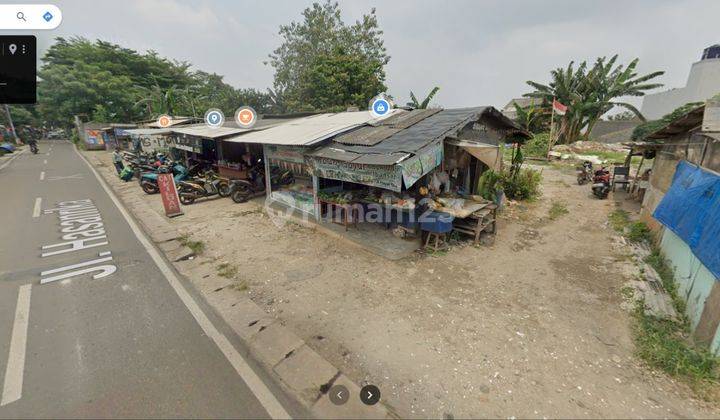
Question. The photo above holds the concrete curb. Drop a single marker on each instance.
(302, 372)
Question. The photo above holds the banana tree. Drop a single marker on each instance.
(426, 102)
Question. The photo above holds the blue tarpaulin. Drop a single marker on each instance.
(691, 209)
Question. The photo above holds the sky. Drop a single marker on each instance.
(478, 52)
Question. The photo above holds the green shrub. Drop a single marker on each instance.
(524, 186)
(537, 146)
(488, 184)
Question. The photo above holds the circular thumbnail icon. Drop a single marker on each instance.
(164, 121)
(214, 118)
(245, 117)
(370, 395)
(339, 394)
(380, 106)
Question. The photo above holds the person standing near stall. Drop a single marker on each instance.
(118, 160)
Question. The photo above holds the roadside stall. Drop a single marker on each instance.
(289, 180)
(200, 143)
(412, 166)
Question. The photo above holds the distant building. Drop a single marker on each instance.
(509, 109)
(703, 83)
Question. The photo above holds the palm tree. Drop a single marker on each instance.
(591, 93)
(424, 104)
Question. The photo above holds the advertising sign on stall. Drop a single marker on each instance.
(169, 195)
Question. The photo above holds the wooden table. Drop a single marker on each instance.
(477, 222)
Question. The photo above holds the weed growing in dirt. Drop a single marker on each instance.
(639, 232)
(557, 209)
(240, 286)
(664, 344)
(619, 220)
(227, 270)
(196, 246)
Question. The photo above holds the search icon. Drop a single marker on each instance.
(21, 16)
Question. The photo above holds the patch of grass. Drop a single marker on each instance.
(557, 209)
(227, 270)
(664, 344)
(619, 220)
(198, 247)
(639, 232)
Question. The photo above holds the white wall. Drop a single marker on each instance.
(703, 83)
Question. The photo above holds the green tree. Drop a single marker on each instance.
(535, 119)
(107, 82)
(591, 92)
(425, 102)
(322, 40)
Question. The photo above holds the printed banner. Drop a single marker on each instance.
(169, 194)
(388, 177)
(423, 162)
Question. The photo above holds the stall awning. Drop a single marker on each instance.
(488, 154)
(308, 130)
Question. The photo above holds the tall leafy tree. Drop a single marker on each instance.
(322, 41)
(425, 102)
(590, 92)
(107, 82)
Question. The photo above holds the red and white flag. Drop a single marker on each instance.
(559, 108)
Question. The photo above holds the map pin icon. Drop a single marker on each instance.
(12, 48)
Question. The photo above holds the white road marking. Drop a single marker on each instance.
(255, 384)
(45, 162)
(42, 175)
(11, 159)
(38, 205)
(12, 389)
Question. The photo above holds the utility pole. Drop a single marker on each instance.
(10, 121)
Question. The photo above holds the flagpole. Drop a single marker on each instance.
(552, 128)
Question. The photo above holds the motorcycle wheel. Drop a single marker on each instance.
(224, 189)
(241, 194)
(581, 180)
(187, 199)
(149, 188)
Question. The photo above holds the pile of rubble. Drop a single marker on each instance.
(585, 150)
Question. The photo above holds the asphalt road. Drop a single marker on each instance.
(124, 345)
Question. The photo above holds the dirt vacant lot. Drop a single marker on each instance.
(529, 327)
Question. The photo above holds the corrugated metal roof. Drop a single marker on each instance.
(148, 131)
(205, 131)
(435, 126)
(308, 130)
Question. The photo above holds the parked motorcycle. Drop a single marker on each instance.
(585, 173)
(241, 190)
(206, 186)
(148, 180)
(601, 183)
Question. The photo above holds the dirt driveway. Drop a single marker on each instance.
(529, 327)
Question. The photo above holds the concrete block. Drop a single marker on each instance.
(169, 245)
(305, 372)
(271, 344)
(163, 236)
(353, 409)
(181, 253)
